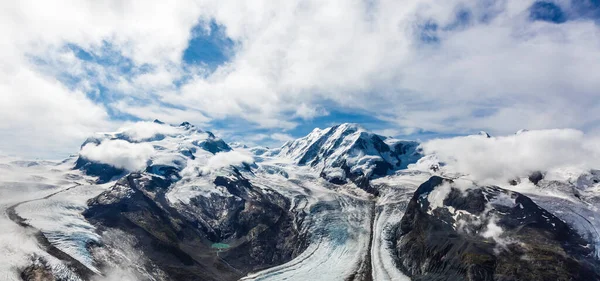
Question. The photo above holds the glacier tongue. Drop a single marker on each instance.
(338, 242)
(335, 219)
(349, 230)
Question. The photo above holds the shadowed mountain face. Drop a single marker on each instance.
(104, 172)
(255, 227)
(487, 233)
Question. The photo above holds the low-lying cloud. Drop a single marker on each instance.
(119, 153)
(141, 131)
(226, 159)
(508, 157)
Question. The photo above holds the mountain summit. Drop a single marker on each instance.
(350, 152)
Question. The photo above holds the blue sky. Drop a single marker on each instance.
(267, 72)
(208, 48)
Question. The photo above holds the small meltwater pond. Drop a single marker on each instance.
(220, 246)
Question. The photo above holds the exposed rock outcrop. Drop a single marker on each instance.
(475, 233)
(213, 238)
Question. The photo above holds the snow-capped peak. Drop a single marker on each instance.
(152, 146)
(348, 151)
(305, 150)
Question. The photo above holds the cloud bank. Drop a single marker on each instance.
(226, 159)
(144, 131)
(457, 66)
(508, 157)
(119, 153)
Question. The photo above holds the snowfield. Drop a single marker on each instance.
(24, 188)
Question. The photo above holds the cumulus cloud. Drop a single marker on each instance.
(141, 131)
(39, 117)
(493, 68)
(230, 158)
(40, 114)
(487, 65)
(119, 153)
(261, 139)
(508, 157)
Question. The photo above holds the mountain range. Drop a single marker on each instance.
(174, 202)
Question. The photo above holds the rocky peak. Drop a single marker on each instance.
(157, 146)
(459, 231)
(349, 152)
(484, 134)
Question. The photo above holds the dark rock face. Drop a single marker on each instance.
(536, 177)
(39, 270)
(104, 172)
(214, 145)
(361, 180)
(333, 148)
(255, 227)
(485, 134)
(487, 233)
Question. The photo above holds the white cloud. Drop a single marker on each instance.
(119, 153)
(38, 115)
(493, 230)
(282, 137)
(294, 60)
(507, 157)
(498, 75)
(226, 159)
(261, 139)
(307, 112)
(257, 138)
(164, 114)
(388, 132)
(141, 131)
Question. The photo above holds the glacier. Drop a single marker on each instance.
(340, 194)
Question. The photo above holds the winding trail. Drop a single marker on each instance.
(44, 243)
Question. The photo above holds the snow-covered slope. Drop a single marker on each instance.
(174, 202)
(349, 151)
(42, 226)
(152, 146)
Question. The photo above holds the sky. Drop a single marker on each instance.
(263, 72)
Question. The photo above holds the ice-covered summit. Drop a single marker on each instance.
(349, 151)
(151, 146)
